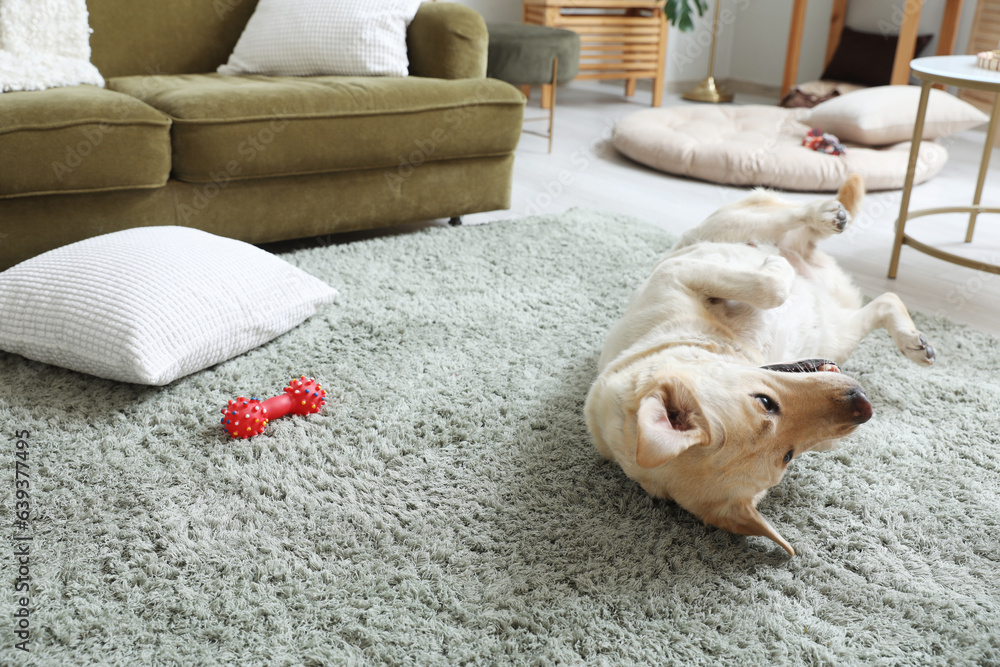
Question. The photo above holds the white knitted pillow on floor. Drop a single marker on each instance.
(317, 37)
(152, 304)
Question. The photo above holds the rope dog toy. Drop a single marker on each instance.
(245, 418)
(823, 142)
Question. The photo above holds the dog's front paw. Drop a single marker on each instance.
(827, 216)
(918, 349)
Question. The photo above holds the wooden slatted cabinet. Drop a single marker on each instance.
(619, 39)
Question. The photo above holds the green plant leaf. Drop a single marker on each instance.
(680, 13)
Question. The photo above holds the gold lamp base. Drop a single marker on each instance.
(707, 91)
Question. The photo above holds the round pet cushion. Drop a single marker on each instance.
(522, 54)
(756, 145)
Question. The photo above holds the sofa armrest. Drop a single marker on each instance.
(447, 41)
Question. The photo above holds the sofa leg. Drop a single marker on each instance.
(455, 221)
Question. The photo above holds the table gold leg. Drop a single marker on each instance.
(552, 109)
(984, 165)
(911, 169)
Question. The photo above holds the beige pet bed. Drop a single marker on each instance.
(760, 146)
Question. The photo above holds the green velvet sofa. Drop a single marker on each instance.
(170, 142)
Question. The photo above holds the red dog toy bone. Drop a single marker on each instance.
(244, 418)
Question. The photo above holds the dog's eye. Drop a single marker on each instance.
(768, 403)
(788, 456)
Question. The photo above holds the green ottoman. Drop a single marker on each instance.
(533, 55)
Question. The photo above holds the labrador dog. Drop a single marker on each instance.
(699, 396)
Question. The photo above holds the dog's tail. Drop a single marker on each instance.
(851, 193)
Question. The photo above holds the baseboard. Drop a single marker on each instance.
(735, 85)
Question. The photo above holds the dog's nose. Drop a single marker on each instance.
(860, 406)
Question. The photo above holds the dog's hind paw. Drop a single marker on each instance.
(919, 350)
(827, 216)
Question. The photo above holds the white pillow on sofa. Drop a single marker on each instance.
(317, 37)
(885, 115)
(152, 304)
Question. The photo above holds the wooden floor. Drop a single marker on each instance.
(585, 170)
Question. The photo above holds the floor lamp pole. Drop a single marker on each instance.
(707, 90)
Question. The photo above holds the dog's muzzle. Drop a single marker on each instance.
(859, 405)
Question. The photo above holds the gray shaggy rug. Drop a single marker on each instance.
(448, 507)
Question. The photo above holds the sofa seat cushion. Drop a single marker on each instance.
(234, 128)
(80, 139)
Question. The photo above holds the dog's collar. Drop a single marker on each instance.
(804, 366)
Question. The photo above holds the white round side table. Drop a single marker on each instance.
(958, 71)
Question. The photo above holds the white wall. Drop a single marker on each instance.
(688, 52)
(760, 40)
(495, 10)
(753, 35)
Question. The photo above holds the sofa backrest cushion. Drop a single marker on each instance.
(164, 36)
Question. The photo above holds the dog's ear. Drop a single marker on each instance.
(851, 193)
(743, 518)
(668, 421)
